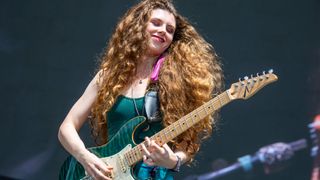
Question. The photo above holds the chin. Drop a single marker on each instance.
(156, 51)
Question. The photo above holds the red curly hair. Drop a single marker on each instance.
(190, 76)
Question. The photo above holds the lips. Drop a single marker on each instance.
(158, 38)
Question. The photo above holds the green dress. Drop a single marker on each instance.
(122, 111)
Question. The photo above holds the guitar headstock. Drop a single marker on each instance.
(249, 86)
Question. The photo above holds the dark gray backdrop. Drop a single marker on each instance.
(49, 50)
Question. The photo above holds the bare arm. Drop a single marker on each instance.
(70, 139)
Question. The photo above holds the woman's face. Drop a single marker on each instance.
(161, 27)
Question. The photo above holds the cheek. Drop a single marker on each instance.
(170, 38)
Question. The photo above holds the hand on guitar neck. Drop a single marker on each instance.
(154, 155)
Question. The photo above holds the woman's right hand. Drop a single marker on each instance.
(94, 166)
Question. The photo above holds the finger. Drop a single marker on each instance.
(110, 168)
(99, 175)
(149, 162)
(148, 142)
(90, 173)
(102, 167)
(167, 148)
(144, 157)
(157, 147)
(144, 150)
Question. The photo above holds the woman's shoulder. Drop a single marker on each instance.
(99, 77)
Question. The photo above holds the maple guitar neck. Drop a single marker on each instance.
(240, 90)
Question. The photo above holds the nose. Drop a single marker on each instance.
(162, 30)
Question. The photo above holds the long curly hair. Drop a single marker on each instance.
(190, 76)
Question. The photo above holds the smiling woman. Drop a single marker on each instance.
(153, 48)
(161, 27)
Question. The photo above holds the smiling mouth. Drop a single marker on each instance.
(160, 39)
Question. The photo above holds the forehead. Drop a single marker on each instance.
(164, 15)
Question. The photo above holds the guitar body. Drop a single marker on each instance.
(111, 153)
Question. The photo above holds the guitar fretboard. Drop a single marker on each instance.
(180, 126)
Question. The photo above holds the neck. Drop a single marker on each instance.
(148, 61)
(145, 66)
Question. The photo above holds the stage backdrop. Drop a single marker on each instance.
(49, 52)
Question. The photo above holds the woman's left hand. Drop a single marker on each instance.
(154, 155)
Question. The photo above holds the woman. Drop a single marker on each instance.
(152, 46)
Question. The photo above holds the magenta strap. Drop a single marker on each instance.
(156, 69)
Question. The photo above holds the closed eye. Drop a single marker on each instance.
(156, 22)
(170, 29)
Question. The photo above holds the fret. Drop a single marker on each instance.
(134, 157)
(129, 160)
(224, 99)
(205, 109)
(171, 134)
(184, 124)
(191, 117)
(218, 101)
(179, 122)
(126, 158)
(199, 111)
(226, 96)
(138, 153)
(221, 104)
(186, 121)
(158, 139)
(162, 136)
(195, 117)
(214, 104)
(221, 98)
(130, 157)
(174, 130)
(165, 135)
(167, 131)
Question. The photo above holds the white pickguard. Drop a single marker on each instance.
(121, 170)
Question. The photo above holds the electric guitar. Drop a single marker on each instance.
(122, 152)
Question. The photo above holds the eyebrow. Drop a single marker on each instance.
(155, 18)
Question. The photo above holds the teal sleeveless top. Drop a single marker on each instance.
(122, 111)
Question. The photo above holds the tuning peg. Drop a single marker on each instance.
(261, 77)
(253, 79)
(264, 72)
(246, 78)
(270, 71)
(241, 82)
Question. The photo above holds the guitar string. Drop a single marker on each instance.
(211, 103)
